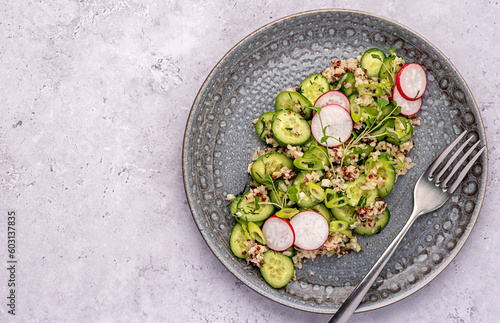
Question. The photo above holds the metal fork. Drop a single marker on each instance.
(430, 193)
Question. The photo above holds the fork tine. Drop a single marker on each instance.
(464, 171)
(430, 171)
(450, 161)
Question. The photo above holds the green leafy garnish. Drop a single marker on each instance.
(382, 102)
(391, 50)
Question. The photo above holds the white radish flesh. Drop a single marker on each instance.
(411, 81)
(333, 97)
(311, 230)
(408, 108)
(338, 123)
(278, 233)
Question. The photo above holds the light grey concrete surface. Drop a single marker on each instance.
(94, 97)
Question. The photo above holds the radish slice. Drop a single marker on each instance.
(408, 108)
(279, 233)
(333, 97)
(411, 81)
(311, 230)
(338, 123)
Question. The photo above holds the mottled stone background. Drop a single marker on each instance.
(94, 97)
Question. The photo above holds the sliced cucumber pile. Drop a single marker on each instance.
(334, 148)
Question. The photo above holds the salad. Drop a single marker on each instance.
(335, 145)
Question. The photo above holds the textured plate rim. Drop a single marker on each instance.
(482, 189)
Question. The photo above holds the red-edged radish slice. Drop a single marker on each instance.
(311, 230)
(408, 108)
(411, 81)
(333, 97)
(279, 233)
(338, 123)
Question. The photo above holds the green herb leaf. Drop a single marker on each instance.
(376, 56)
(268, 178)
(391, 51)
(357, 150)
(382, 102)
(316, 109)
(397, 110)
(370, 121)
(324, 139)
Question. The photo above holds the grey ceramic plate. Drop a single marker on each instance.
(220, 138)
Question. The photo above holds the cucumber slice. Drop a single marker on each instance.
(290, 128)
(294, 101)
(386, 170)
(372, 61)
(377, 226)
(389, 70)
(357, 196)
(263, 125)
(237, 241)
(277, 269)
(267, 164)
(313, 86)
(345, 213)
(304, 198)
(318, 152)
(243, 210)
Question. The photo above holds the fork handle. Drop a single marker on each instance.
(351, 303)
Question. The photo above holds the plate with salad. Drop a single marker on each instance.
(302, 149)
